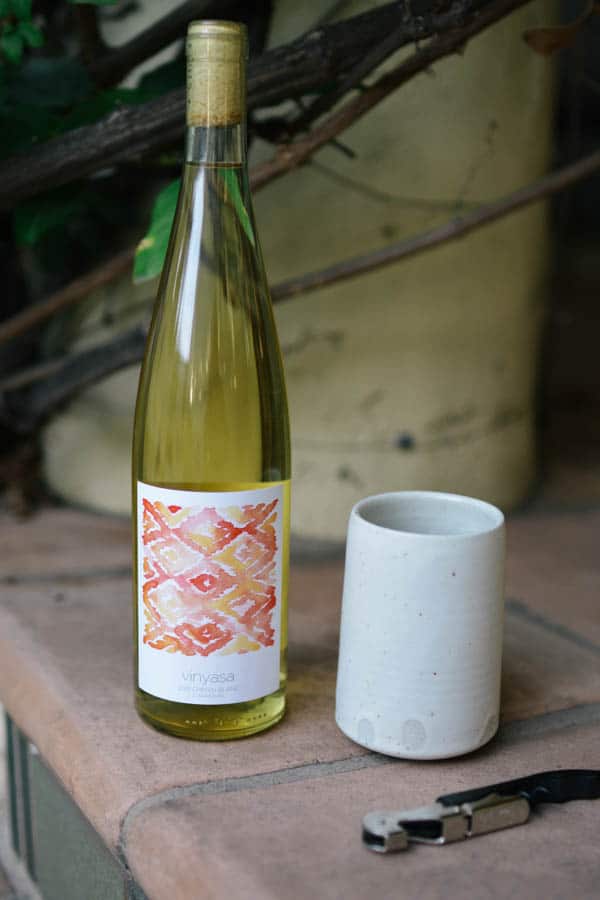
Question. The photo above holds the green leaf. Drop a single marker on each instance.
(21, 8)
(11, 45)
(35, 218)
(233, 190)
(4, 8)
(152, 249)
(31, 34)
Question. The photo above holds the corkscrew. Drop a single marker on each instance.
(455, 817)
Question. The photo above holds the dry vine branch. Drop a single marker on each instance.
(66, 296)
(451, 230)
(282, 130)
(294, 154)
(111, 66)
(25, 410)
(374, 58)
(305, 65)
(118, 61)
(299, 151)
(76, 371)
(90, 38)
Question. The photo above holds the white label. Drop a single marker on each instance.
(209, 595)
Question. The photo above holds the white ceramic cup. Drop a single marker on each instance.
(422, 618)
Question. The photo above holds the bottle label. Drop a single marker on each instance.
(209, 593)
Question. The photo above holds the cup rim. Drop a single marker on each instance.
(497, 519)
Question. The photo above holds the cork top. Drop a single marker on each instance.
(228, 32)
(216, 63)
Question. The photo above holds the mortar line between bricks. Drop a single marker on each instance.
(509, 734)
(522, 611)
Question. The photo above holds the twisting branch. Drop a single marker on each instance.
(259, 25)
(282, 130)
(66, 296)
(90, 38)
(24, 411)
(409, 29)
(112, 67)
(300, 150)
(374, 58)
(446, 20)
(294, 154)
(304, 66)
(451, 230)
(76, 372)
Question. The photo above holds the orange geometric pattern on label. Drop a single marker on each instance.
(209, 577)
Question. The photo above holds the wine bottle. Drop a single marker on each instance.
(211, 455)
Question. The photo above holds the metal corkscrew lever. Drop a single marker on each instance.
(454, 817)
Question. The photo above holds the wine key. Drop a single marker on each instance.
(455, 817)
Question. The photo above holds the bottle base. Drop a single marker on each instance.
(211, 723)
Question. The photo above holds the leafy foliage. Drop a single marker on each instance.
(11, 44)
(152, 249)
(35, 98)
(17, 30)
(233, 194)
(47, 96)
(21, 8)
(43, 96)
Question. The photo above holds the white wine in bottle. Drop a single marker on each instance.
(211, 457)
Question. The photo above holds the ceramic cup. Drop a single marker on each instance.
(421, 632)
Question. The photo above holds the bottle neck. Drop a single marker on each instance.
(216, 94)
(216, 144)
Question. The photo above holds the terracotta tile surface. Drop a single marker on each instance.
(554, 567)
(62, 541)
(542, 671)
(66, 678)
(302, 840)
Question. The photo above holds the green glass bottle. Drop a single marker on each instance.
(211, 453)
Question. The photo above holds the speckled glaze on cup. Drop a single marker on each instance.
(422, 619)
